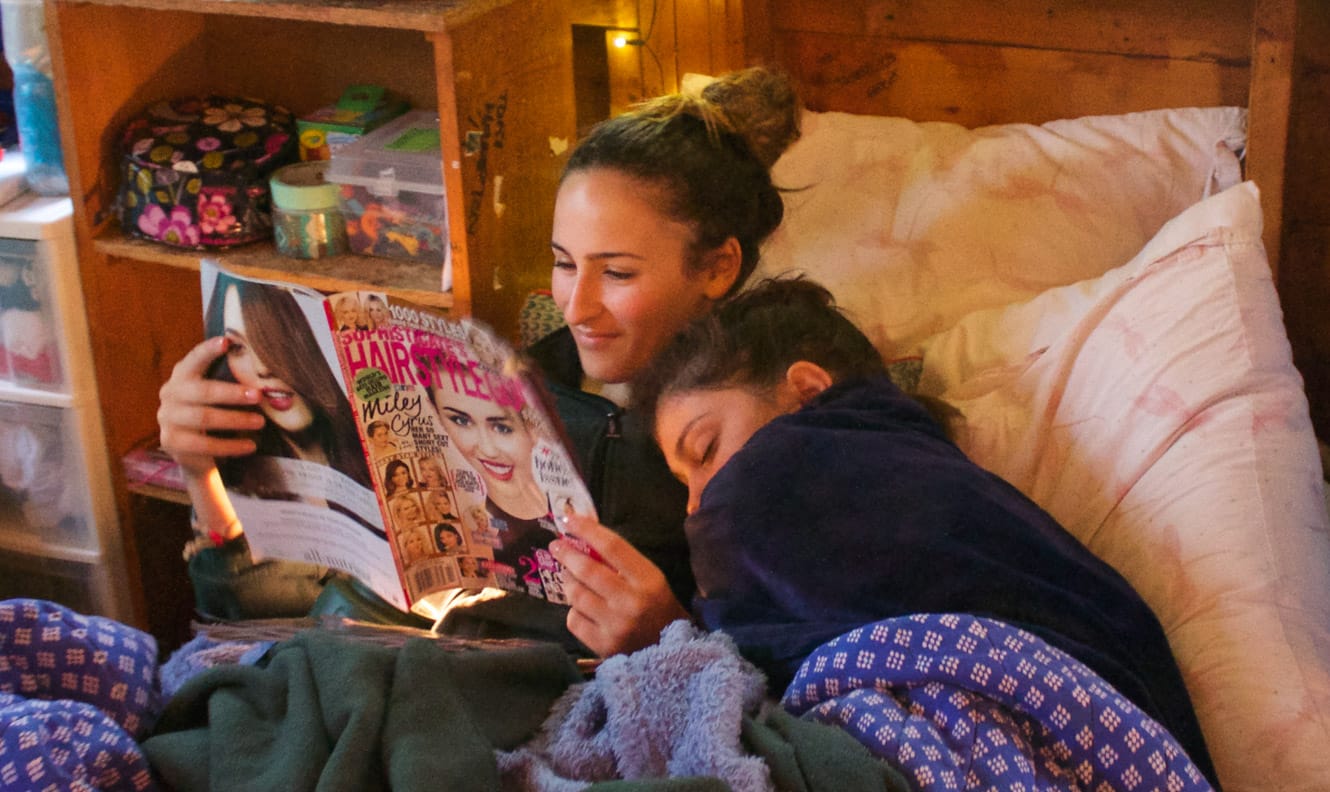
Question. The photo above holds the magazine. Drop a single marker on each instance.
(403, 447)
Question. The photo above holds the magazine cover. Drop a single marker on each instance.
(405, 448)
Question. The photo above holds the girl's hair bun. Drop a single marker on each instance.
(761, 106)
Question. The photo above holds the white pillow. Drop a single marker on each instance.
(1155, 411)
(913, 225)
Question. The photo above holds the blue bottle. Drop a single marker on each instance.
(26, 51)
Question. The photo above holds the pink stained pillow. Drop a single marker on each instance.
(913, 225)
(1155, 411)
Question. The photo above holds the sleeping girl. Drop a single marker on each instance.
(822, 498)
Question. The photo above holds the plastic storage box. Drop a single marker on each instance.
(391, 190)
(43, 497)
(29, 353)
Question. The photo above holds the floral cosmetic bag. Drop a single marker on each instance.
(196, 170)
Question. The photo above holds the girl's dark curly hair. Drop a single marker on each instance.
(751, 339)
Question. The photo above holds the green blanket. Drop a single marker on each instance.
(330, 714)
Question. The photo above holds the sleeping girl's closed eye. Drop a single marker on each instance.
(699, 430)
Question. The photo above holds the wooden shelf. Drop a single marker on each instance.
(409, 280)
(423, 15)
(499, 73)
(158, 492)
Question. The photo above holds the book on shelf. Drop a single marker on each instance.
(148, 465)
(406, 448)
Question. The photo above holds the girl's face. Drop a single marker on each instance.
(468, 566)
(700, 430)
(377, 311)
(400, 477)
(494, 439)
(621, 272)
(281, 404)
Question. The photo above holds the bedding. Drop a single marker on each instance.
(958, 701)
(687, 707)
(1155, 411)
(913, 225)
(333, 714)
(688, 713)
(76, 694)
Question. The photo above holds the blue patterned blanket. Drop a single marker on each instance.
(961, 702)
(951, 700)
(76, 693)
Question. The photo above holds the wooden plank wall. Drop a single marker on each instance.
(1304, 274)
(1024, 60)
(704, 36)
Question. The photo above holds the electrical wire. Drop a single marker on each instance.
(643, 41)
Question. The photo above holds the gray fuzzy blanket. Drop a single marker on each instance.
(675, 709)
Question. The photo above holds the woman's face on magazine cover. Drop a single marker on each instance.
(400, 477)
(379, 436)
(414, 544)
(406, 511)
(447, 537)
(281, 404)
(347, 311)
(621, 272)
(439, 502)
(431, 475)
(468, 566)
(376, 310)
(700, 430)
(494, 439)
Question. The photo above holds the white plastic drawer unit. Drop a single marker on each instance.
(43, 487)
(29, 330)
(59, 532)
(85, 587)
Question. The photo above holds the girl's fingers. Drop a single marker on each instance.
(586, 600)
(595, 588)
(196, 362)
(207, 446)
(612, 548)
(589, 632)
(206, 391)
(203, 419)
